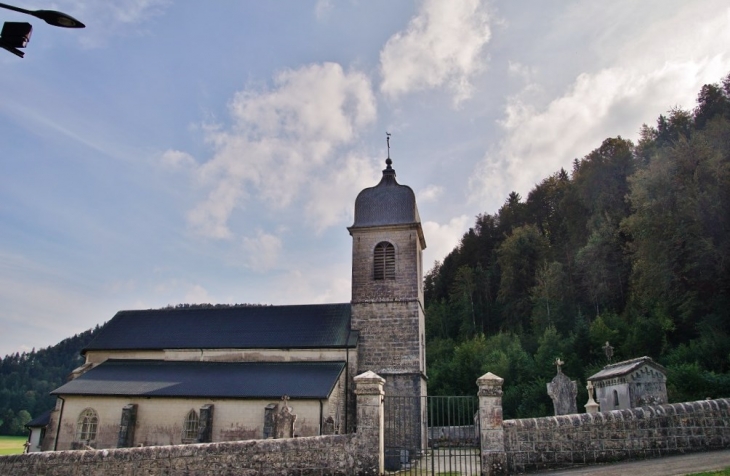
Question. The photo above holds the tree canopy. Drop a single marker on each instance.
(632, 247)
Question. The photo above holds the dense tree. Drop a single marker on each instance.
(519, 257)
(26, 380)
(631, 248)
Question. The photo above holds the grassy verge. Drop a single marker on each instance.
(724, 472)
(10, 445)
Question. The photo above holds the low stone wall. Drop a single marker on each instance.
(317, 455)
(583, 439)
(360, 453)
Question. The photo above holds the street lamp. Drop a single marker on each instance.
(16, 35)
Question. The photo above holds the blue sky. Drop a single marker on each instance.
(211, 152)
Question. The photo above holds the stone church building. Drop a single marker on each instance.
(221, 373)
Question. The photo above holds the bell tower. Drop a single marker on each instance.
(387, 289)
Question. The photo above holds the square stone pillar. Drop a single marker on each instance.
(371, 418)
(491, 433)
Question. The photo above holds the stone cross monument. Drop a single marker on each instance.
(285, 420)
(563, 391)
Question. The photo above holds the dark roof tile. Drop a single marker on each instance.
(159, 378)
(40, 421)
(236, 327)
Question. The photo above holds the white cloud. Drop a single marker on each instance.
(520, 70)
(442, 46)
(442, 239)
(321, 284)
(648, 80)
(177, 159)
(280, 140)
(107, 19)
(430, 194)
(263, 251)
(197, 294)
(332, 194)
(322, 9)
(41, 303)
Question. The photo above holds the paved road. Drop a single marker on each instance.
(667, 466)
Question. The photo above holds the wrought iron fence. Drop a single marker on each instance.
(432, 435)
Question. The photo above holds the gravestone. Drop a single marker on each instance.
(591, 406)
(285, 420)
(328, 426)
(563, 392)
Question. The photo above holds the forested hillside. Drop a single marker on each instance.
(631, 246)
(26, 380)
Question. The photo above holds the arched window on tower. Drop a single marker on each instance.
(86, 427)
(190, 427)
(384, 261)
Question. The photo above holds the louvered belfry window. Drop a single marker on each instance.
(384, 263)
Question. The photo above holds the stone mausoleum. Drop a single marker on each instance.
(222, 373)
(630, 384)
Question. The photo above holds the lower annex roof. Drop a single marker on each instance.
(160, 378)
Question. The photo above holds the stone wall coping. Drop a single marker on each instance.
(489, 379)
(176, 451)
(369, 377)
(639, 413)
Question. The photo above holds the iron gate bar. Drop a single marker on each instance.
(432, 435)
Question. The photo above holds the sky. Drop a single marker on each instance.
(211, 152)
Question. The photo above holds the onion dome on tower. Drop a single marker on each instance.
(387, 203)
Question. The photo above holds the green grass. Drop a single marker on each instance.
(723, 472)
(11, 445)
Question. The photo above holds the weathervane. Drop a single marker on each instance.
(387, 140)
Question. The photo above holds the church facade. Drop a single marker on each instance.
(223, 373)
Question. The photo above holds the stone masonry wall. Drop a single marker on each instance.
(389, 337)
(318, 455)
(407, 284)
(583, 439)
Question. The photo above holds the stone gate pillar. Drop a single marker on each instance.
(491, 433)
(370, 416)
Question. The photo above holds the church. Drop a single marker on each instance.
(223, 373)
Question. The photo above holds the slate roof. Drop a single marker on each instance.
(240, 327)
(388, 203)
(626, 367)
(160, 378)
(40, 421)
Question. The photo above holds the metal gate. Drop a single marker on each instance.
(432, 436)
